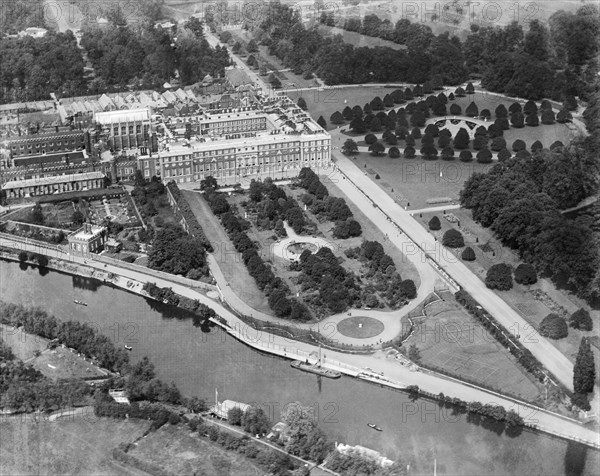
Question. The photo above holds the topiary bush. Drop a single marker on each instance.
(453, 239)
(554, 327)
(581, 320)
(468, 254)
(499, 276)
(434, 224)
(525, 274)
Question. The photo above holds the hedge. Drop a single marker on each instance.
(186, 213)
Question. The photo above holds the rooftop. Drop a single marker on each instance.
(127, 115)
(87, 232)
(52, 180)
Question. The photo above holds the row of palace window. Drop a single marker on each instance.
(44, 144)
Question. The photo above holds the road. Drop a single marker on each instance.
(396, 374)
(541, 348)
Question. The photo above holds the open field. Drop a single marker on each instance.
(360, 327)
(174, 449)
(22, 344)
(357, 40)
(490, 251)
(417, 180)
(450, 339)
(63, 364)
(230, 261)
(69, 446)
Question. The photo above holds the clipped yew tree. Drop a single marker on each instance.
(525, 274)
(581, 320)
(499, 276)
(466, 156)
(554, 327)
(462, 139)
(453, 239)
(434, 223)
(468, 254)
(472, 110)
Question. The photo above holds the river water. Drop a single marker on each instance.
(200, 361)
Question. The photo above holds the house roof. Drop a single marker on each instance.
(52, 180)
(237, 77)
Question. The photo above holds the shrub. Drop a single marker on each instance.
(499, 276)
(453, 239)
(525, 274)
(468, 254)
(370, 139)
(410, 152)
(394, 153)
(518, 145)
(504, 154)
(455, 109)
(581, 400)
(554, 327)
(434, 223)
(465, 156)
(484, 156)
(581, 320)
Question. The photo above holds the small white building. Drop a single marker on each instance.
(366, 453)
(87, 239)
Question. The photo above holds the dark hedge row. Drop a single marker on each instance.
(186, 213)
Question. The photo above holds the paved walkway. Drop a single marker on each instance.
(396, 374)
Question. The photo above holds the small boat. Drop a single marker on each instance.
(80, 302)
(128, 347)
(374, 426)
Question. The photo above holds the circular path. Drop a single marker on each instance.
(360, 327)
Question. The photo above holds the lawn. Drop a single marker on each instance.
(358, 40)
(417, 180)
(63, 364)
(174, 449)
(230, 261)
(360, 327)
(22, 344)
(450, 339)
(532, 302)
(73, 446)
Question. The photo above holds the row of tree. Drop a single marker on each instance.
(274, 287)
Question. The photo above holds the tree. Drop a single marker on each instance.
(485, 114)
(394, 153)
(517, 120)
(556, 145)
(302, 104)
(548, 116)
(347, 113)
(429, 152)
(472, 110)
(350, 147)
(252, 46)
(518, 145)
(525, 274)
(515, 107)
(563, 116)
(462, 139)
(336, 118)
(237, 47)
(499, 276)
(417, 119)
(468, 254)
(77, 217)
(235, 416)
(453, 239)
(415, 133)
(455, 109)
(536, 146)
(532, 120)
(581, 320)
(377, 149)
(434, 223)
(448, 153)
(274, 81)
(255, 421)
(465, 156)
(358, 125)
(443, 141)
(480, 142)
(408, 289)
(36, 215)
(410, 152)
(484, 156)
(23, 256)
(322, 122)
(501, 111)
(377, 104)
(554, 327)
(504, 154)
(370, 139)
(498, 143)
(432, 130)
(459, 92)
(530, 108)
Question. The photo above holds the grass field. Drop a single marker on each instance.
(490, 251)
(360, 327)
(449, 338)
(63, 364)
(73, 446)
(23, 345)
(358, 40)
(175, 450)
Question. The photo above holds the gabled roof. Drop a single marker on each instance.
(106, 102)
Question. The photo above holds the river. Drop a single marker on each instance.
(198, 361)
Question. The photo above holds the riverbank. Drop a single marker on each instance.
(394, 375)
